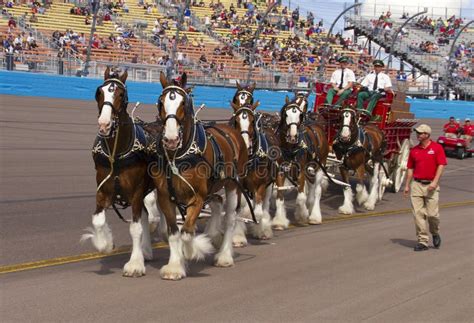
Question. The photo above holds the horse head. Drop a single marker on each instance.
(291, 118)
(301, 98)
(112, 100)
(348, 122)
(244, 94)
(244, 120)
(175, 109)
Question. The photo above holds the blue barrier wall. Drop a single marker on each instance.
(30, 84)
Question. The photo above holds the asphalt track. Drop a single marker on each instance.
(348, 269)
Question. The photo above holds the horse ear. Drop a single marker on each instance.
(163, 81)
(238, 85)
(123, 77)
(107, 73)
(252, 87)
(255, 105)
(287, 99)
(184, 80)
(234, 106)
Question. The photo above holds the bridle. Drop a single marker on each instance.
(283, 111)
(123, 104)
(188, 109)
(350, 125)
(243, 91)
(240, 111)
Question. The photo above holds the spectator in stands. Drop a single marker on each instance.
(452, 128)
(87, 20)
(374, 86)
(341, 82)
(33, 18)
(11, 23)
(31, 42)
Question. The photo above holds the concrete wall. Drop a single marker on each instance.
(30, 84)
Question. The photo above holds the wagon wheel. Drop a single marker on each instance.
(384, 181)
(400, 170)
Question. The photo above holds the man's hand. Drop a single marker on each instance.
(406, 190)
(340, 92)
(432, 186)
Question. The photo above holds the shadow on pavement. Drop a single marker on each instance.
(404, 242)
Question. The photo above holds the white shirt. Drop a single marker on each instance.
(383, 81)
(348, 77)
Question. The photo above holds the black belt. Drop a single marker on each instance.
(423, 181)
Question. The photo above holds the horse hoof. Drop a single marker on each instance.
(346, 212)
(224, 262)
(169, 272)
(133, 270)
(314, 222)
(278, 228)
(239, 244)
(369, 207)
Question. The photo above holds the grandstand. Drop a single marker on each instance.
(214, 44)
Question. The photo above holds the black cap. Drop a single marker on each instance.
(343, 59)
(378, 62)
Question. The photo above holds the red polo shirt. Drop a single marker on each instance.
(425, 161)
(468, 130)
(451, 128)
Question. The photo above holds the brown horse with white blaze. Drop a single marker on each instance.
(356, 145)
(121, 172)
(260, 168)
(193, 163)
(303, 153)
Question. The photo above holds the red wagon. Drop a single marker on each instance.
(391, 115)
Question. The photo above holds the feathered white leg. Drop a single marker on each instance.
(310, 195)
(324, 184)
(374, 189)
(150, 203)
(146, 239)
(225, 256)
(301, 212)
(196, 247)
(315, 217)
(265, 225)
(135, 267)
(260, 230)
(239, 238)
(175, 269)
(280, 221)
(348, 206)
(100, 234)
(214, 225)
(361, 194)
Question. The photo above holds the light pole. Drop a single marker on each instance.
(255, 39)
(449, 75)
(95, 9)
(326, 45)
(392, 49)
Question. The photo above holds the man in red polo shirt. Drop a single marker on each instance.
(426, 163)
(451, 129)
(468, 131)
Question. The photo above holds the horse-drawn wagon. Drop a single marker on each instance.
(391, 115)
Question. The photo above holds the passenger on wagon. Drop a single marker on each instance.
(341, 81)
(452, 128)
(373, 87)
(468, 131)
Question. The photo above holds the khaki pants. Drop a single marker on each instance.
(425, 211)
(450, 135)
